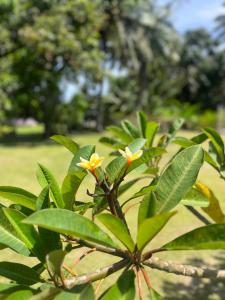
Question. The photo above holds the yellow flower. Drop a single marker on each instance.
(94, 162)
(131, 156)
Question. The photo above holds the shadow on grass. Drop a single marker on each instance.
(26, 139)
(197, 289)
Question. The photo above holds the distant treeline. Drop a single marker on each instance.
(121, 56)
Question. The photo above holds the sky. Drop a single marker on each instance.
(192, 14)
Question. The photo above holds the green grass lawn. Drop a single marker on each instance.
(18, 166)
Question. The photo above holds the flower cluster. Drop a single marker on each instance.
(95, 160)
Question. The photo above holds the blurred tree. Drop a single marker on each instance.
(136, 36)
(202, 69)
(45, 41)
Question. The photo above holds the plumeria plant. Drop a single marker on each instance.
(63, 223)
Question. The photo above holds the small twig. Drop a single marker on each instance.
(98, 286)
(198, 215)
(146, 277)
(68, 269)
(148, 254)
(84, 255)
(96, 275)
(108, 250)
(185, 270)
(138, 274)
(129, 207)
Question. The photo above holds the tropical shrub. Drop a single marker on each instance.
(49, 227)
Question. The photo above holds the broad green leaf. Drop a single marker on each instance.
(66, 142)
(115, 169)
(70, 186)
(111, 142)
(149, 228)
(20, 295)
(25, 232)
(155, 295)
(6, 289)
(211, 237)
(142, 122)
(9, 237)
(70, 223)
(214, 210)
(150, 133)
(130, 129)
(47, 294)
(43, 200)
(143, 191)
(118, 229)
(178, 178)
(20, 273)
(54, 262)
(200, 138)
(123, 289)
(217, 142)
(195, 197)
(146, 208)
(46, 178)
(50, 239)
(84, 152)
(137, 144)
(183, 142)
(120, 133)
(18, 196)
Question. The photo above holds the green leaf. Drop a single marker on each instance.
(118, 229)
(70, 186)
(183, 142)
(115, 169)
(217, 142)
(45, 178)
(211, 237)
(146, 208)
(111, 142)
(155, 295)
(143, 191)
(151, 130)
(178, 178)
(66, 142)
(9, 237)
(130, 129)
(194, 197)
(20, 273)
(83, 292)
(25, 232)
(123, 289)
(43, 200)
(137, 144)
(18, 196)
(120, 133)
(20, 295)
(149, 228)
(70, 223)
(142, 122)
(54, 262)
(84, 152)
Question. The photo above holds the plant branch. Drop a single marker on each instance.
(198, 215)
(185, 270)
(96, 275)
(108, 250)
